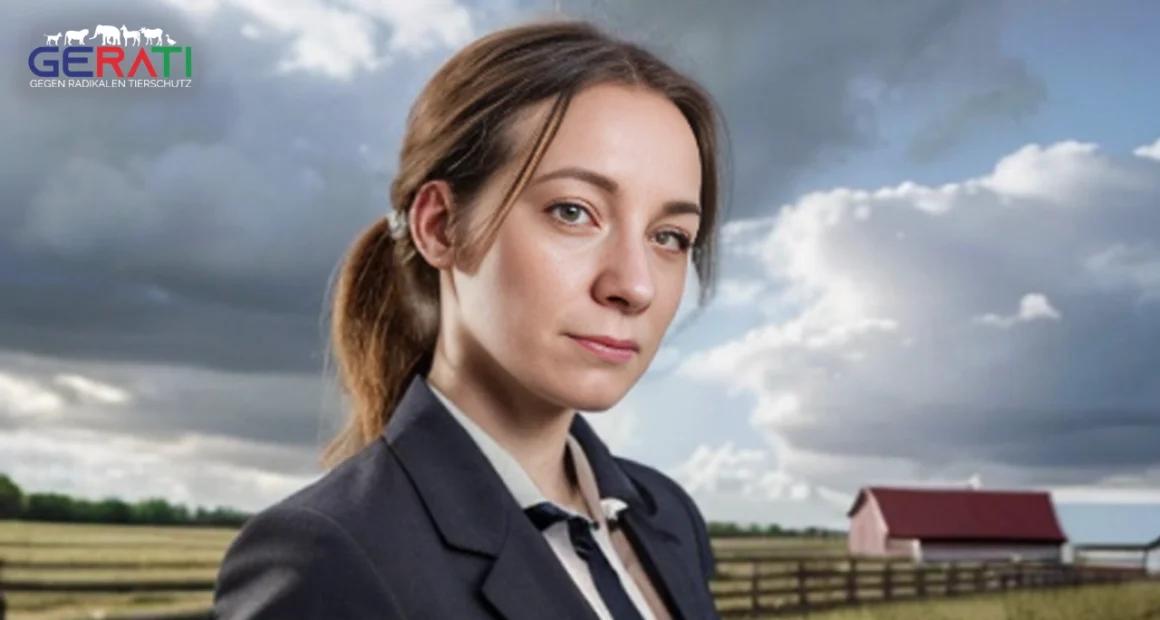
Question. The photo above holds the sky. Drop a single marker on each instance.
(941, 259)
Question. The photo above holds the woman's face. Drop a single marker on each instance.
(588, 269)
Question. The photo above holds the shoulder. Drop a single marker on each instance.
(676, 507)
(287, 562)
(294, 556)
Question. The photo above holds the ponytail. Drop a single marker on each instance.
(383, 330)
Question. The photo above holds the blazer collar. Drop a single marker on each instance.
(468, 501)
(610, 478)
(475, 512)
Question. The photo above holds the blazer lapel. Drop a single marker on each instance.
(527, 582)
(475, 512)
(658, 552)
(657, 547)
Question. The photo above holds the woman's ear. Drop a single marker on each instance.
(428, 223)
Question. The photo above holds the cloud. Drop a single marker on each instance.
(880, 371)
(21, 397)
(1033, 307)
(86, 388)
(738, 292)
(98, 465)
(164, 256)
(731, 483)
(338, 39)
(803, 85)
(1149, 150)
(276, 422)
(618, 427)
(202, 226)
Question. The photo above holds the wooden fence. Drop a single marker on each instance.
(748, 585)
(752, 587)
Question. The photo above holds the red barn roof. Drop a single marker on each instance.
(965, 514)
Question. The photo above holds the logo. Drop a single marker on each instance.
(141, 58)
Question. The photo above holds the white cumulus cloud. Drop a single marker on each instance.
(873, 368)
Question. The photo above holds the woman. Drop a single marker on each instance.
(553, 187)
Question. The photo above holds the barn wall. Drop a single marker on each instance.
(900, 547)
(975, 552)
(867, 530)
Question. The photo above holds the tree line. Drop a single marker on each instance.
(62, 508)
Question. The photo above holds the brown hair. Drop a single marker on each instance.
(385, 306)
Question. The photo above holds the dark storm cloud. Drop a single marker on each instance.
(189, 235)
(195, 226)
(1078, 396)
(802, 83)
(272, 422)
(202, 226)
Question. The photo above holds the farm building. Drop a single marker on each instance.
(1145, 556)
(943, 525)
(1115, 534)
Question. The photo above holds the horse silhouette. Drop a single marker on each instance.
(131, 35)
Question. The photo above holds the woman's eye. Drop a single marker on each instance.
(571, 213)
(674, 240)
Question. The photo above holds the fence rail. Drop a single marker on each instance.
(113, 565)
(784, 586)
(749, 585)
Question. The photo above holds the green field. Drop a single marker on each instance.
(116, 553)
(1135, 601)
(119, 553)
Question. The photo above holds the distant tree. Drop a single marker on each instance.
(112, 510)
(11, 499)
(220, 517)
(721, 529)
(159, 512)
(50, 507)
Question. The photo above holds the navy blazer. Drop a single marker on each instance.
(419, 526)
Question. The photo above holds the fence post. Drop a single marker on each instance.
(754, 592)
(920, 580)
(979, 574)
(887, 580)
(851, 582)
(3, 602)
(952, 579)
(803, 593)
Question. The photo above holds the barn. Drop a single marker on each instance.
(944, 525)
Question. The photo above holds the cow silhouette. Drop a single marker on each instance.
(52, 39)
(109, 35)
(152, 35)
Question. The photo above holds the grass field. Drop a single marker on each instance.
(1135, 601)
(115, 553)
